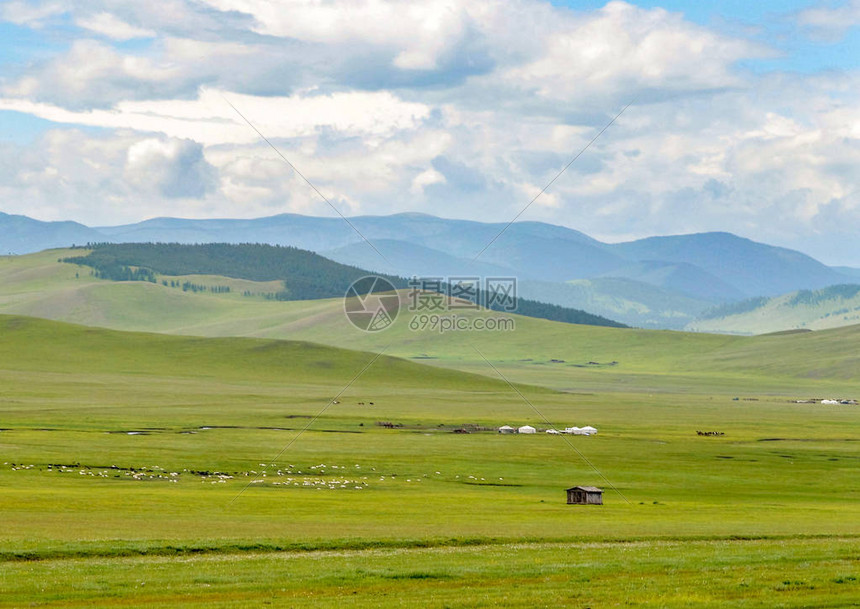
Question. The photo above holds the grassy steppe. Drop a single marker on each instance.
(760, 573)
(117, 445)
(132, 465)
(646, 361)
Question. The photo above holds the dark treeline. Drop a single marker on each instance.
(305, 275)
(735, 308)
(801, 298)
(816, 297)
(121, 272)
(543, 310)
(187, 286)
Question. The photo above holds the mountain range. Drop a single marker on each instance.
(661, 282)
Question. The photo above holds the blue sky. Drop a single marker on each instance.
(747, 117)
(771, 22)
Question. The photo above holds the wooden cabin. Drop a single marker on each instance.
(584, 495)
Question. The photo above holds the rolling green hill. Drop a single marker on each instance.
(145, 469)
(537, 351)
(658, 282)
(830, 307)
(149, 470)
(633, 302)
(304, 275)
(31, 344)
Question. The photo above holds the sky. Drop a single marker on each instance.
(741, 117)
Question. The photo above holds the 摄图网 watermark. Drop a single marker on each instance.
(435, 294)
(373, 303)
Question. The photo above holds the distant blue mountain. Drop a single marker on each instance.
(847, 271)
(533, 249)
(655, 282)
(410, 260)
(305, 232)
(753, 268)
(637, 303)
(680, 277)
(23, 235)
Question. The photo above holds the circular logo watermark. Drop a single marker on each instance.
(371, 303)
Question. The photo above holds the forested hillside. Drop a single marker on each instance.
(830, 307)
(305, 275)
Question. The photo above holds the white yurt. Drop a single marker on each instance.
(573, 431)
(588, 430)
(526, 429)
(507, 429)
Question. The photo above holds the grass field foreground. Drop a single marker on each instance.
(197, 467)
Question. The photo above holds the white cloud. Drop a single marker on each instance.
(419, 31)
(113, 27)
(103, 177)
(171, 168)
(831, 21)
(33, 14)
(517, 49)
(460, 108)
(425, 179)
(622, 49)
(209, 119)
(91, 74)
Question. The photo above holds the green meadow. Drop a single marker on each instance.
(152, 469)
(715, 574)
(563, 356)
(257, 452)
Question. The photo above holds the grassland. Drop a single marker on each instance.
(162, 469)
(725, 573)
(645, 361)
(147, 469)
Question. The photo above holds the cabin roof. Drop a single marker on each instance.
(589, 489)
